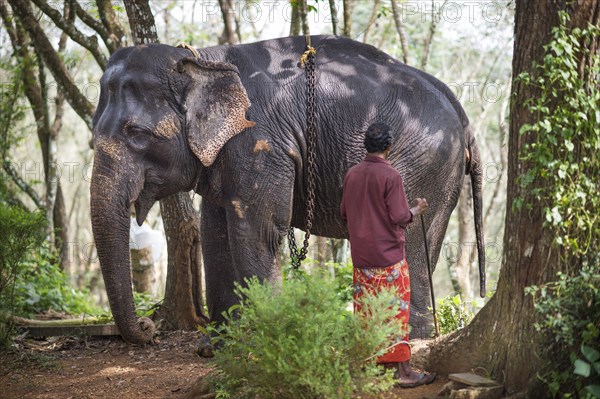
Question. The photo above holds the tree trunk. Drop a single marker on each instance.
(347, 7)
(303, 7)
(141, 21)
(466, 242)
(372, 19)
(142, 269)
(401, 33)
(322, 247)
(295, 21)
(334, 17)
(435, 18)
(182, 307)
(502, 338)
(228, 36)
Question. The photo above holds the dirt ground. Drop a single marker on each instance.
(77, 368)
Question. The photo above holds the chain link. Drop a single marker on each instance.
(298, 255)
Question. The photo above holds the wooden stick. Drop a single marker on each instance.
(435, 322)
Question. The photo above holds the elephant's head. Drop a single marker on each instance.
(162, 117)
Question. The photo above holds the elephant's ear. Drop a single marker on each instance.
(215, 103)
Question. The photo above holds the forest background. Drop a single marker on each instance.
(541, 326)
(466, 44)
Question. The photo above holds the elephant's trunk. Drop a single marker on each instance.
(111, 194)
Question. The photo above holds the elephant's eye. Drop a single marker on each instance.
(134, 132)
(137, 137)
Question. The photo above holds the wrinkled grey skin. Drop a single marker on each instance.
(154, 135)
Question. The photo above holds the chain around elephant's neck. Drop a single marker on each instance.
(307, 60)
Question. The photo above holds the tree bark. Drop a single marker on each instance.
(116, 33)
(182, 306)
(371, 21)
(347, 6)
(295, 22)
(142, 269)
(303, 7)
(228, 36)
(466, 242)
(141, 21)
(334, 17)
(435, 17)
(322, 247)
(401, 33)
(502, 338)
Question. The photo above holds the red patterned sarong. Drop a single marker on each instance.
(373, 280)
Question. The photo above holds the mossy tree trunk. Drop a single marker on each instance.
(502, 338)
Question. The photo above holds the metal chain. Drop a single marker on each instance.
(298, 255)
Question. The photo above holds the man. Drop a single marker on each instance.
(376, 211)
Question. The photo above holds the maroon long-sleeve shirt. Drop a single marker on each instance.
(376, 211)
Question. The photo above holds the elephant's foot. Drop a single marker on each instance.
(421, 332)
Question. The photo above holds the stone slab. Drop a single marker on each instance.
(473, 380)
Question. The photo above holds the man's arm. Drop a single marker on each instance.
(395, 200)
(420, 206)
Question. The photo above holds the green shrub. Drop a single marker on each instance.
(20, 231)
(299, 341)
(453, 314)
(342, 272)
(145, 304)
(570, 312)
(42, 286)
(343, 280)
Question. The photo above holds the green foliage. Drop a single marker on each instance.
(563, 159)
(570, 312)
(453, 314)
(343, 274)
(42, 285)
(343, 280)
(20, 231)
(145, 304)
(11, 109)
(299, 340)
(11, 112)
(31, 281)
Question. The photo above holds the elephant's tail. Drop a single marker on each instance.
(475, 169)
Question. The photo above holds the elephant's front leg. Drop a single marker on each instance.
(242, 238)
(257, 225)
(218, 263)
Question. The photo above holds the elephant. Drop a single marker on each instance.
(230, 124)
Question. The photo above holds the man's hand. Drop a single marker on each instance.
(419, 206)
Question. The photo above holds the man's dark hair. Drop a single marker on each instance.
(378, 138)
